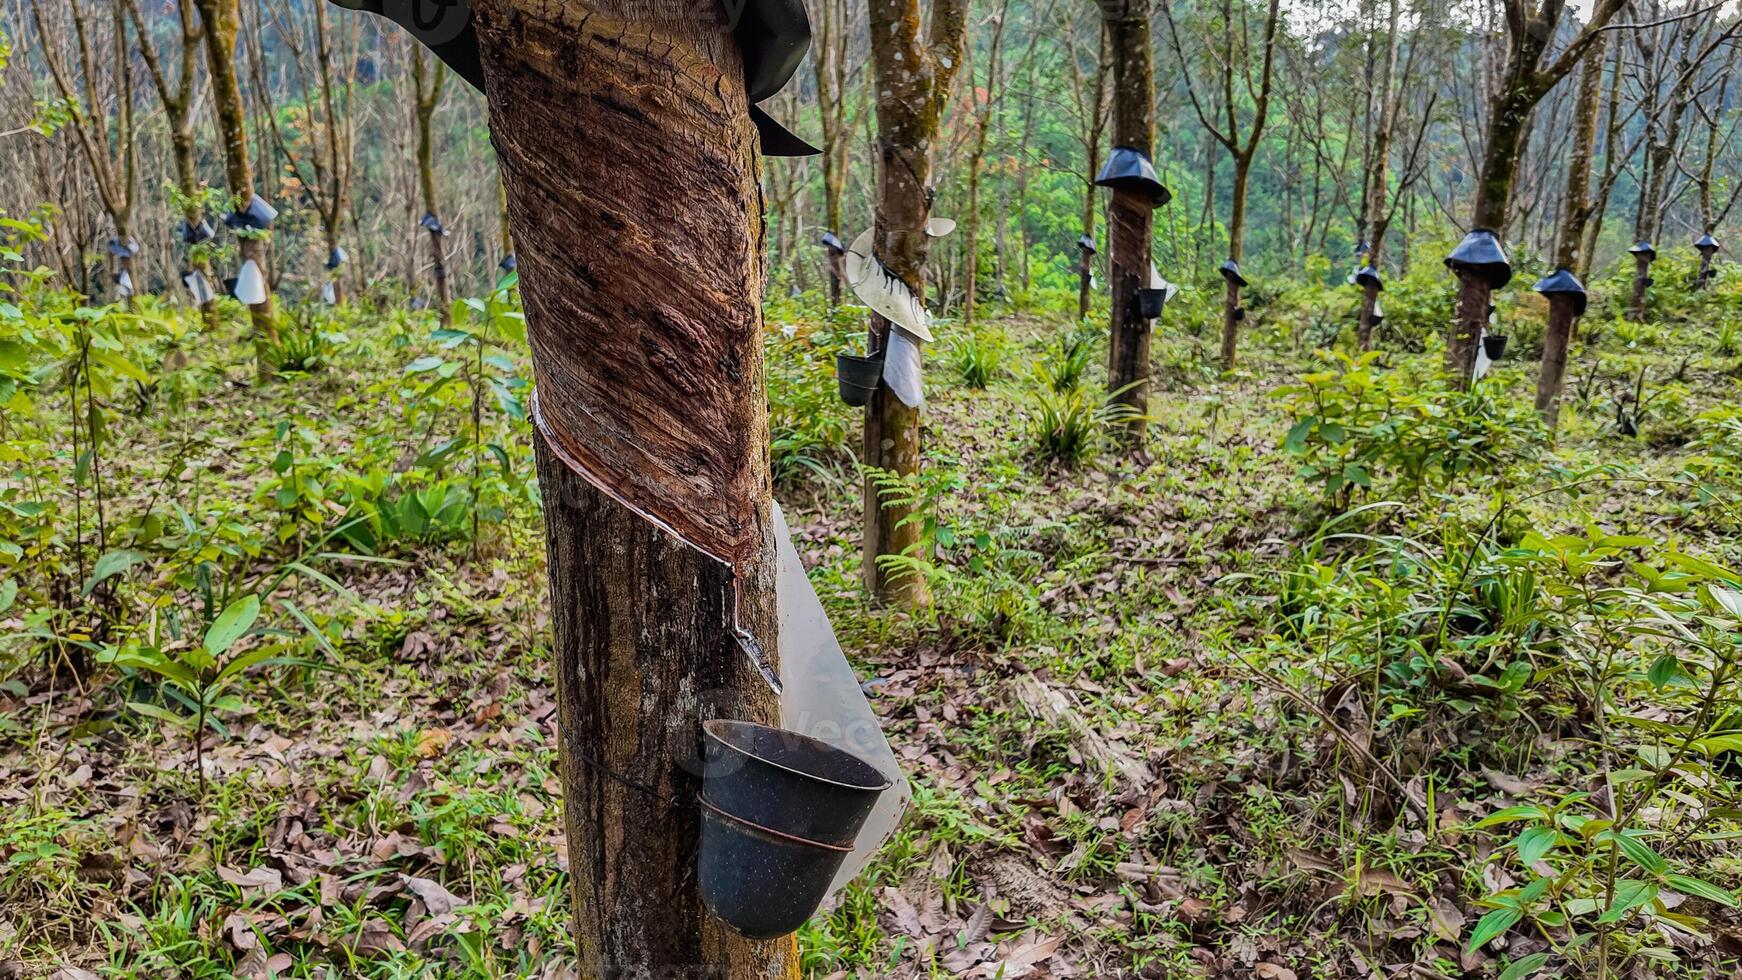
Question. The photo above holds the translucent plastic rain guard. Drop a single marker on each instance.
(821, 697)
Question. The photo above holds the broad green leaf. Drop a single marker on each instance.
(111, 564)
(1534, 844)
(161, 714)
(231, 624)
(1515, 814)
(1629, 895)
(1700, 889)
(1493, 924)
(1524, 967)
(8, 594)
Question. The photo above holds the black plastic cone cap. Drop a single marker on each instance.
(192, 234)
(1367, 275)
(1563, 282)
(1087, 244)
(1230, 271)
(336, 257)
(773, 36)
(509, 263)
(1706, 243)
(1128, 168)
(1480, 252)
(832, 242)
(432, 224)
(1645, 249)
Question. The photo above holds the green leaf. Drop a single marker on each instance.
(1493, 924)
(231, 624)
(1515, 814)
(1297, 436)
(424, 364)
(1534, 844)
(111, 564)
(1524, 967)
(1629, 895)
(1700, 889)
(1664, 670)
(8, 594)
(1637, 851)
(161, 714)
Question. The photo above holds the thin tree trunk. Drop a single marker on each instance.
(1231, 314)
(1575, 211)
(428, 88)
(1130, 215)
(912, 84)
(221, 20)
(598, 110)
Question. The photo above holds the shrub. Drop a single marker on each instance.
(1357, 426)
(979, 357)
(1069, 426)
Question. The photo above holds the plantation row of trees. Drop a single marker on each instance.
(1289, 135)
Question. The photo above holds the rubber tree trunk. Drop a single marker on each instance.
(1576, 210)
(911, 81)
(1508, 131)
(1369, 305)
(429, 84)
(1085, 277)
(187, 180)
(632, 176)
(1704, 278)
(1641, 280)
(1236, 246)
(222, 20)
(1130, 217)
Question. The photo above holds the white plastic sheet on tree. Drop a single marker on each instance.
(883, 291)
(939, 227)
(902, 369)
(821, 697)
(199, 287)
(329, 294)
(124, 284)
(250, 284)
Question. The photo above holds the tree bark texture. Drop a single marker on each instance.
(1130, 217)
(221, 20)
(912, 81)
(632, 177)
(1575, 213)
(636, 213)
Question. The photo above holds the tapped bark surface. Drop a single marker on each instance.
(1130, 219)
(631, 172)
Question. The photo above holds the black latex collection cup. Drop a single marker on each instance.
(780, 812)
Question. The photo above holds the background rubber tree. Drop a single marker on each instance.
(1089, 102)
(632, 173)
(1563, 311)
(178, 93)
(318, 140)
(913, 81)
(984, 100)
(829, 59)
(427, 82)
(1381, 192)
(221, 22)
(1230, 48)
(1130, 213)
(93, 95)
(1530, 27)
